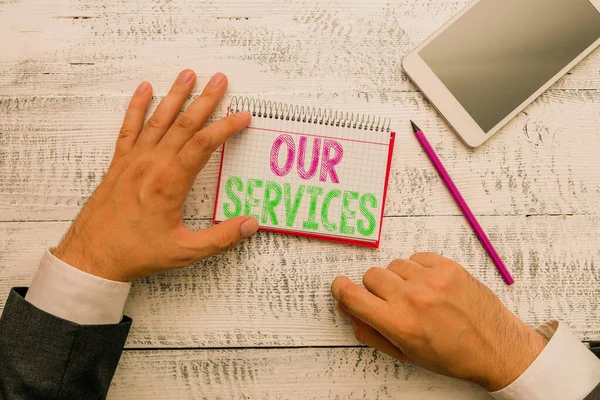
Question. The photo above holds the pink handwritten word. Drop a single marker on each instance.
(331, 156)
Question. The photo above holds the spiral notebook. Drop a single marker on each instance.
(307, 171)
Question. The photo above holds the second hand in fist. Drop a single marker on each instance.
(429, 311)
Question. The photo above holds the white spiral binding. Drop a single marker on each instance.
(311, 115)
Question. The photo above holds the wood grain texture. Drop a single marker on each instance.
(339, 373)
(54, 151)
(347, 47)
(67, 70)
(274, 289)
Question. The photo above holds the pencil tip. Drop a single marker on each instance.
(415, 127)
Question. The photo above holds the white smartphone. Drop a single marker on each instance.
(489, 62)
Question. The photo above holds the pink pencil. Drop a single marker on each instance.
(487, 245)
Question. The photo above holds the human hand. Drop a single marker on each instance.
(430, 312)
(132, 226)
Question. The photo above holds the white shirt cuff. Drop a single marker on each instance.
(69, 293)
(565, 370)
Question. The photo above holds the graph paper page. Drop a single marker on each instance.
(306, 178)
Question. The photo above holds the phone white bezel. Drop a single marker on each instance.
(449, 107)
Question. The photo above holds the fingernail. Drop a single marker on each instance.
(217, 79)
(142, 88)
(249, 227)
(242, 114)
(185, 76)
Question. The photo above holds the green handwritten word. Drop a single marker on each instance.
(278, 205)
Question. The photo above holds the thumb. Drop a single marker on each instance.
(223, 236)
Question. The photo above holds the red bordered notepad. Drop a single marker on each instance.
(308, 172)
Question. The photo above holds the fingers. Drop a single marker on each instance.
(219, 238)
(134, 119)
(367, 335)
(195, 116)
(406, 269)
(383, 283)
(428, 260)
(167, 110)
(360, 302)
(197, 151)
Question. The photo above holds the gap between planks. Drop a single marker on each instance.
(209, 219)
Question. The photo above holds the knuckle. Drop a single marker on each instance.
(155, 122)
(409, 331)
(117, 166)
(422, 299)
(201, 142)
(186, 161)
(184, 122)
(448, 268)
(184, 257)
(427, 259)
(396, 264)
(140, 170)
(371, 275)
(441, 284)
(443, 279)
(161, 184)
(226, 240)
(126, 132)
(419, 255)
(453, 266)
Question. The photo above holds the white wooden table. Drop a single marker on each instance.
(259, 322)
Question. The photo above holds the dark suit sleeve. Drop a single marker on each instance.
(46, 357)
(595, 395)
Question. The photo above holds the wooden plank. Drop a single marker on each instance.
(66, 72)
(54, 150)
(274, 289)
(338, 373)
(346, 48)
